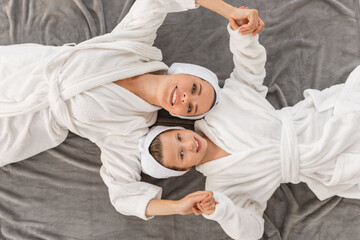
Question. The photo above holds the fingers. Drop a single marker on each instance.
(207, 208)
(196, 211)
(198, 194)
(261, 27)
(253, 19)
(201, 208)
(234, 26)
(199, 198)
(253, 23)
(208, 205)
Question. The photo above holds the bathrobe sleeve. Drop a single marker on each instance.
(240, 217)
(121, 173)
(145, 17)
(249, 60)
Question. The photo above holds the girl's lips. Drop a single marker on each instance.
(199, 144)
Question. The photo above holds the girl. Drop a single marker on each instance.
(246, 148)
(105, 89)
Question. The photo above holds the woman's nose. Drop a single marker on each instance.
(185, 98)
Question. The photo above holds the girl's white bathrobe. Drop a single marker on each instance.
(317, 142)
(46, 91)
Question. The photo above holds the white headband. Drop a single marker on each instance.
(197, 71)
(148, 164)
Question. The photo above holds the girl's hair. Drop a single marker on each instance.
(155, 149)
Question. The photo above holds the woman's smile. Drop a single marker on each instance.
(174, 96)
(185, 95)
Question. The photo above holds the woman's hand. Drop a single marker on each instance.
(186, 205)
(206, 206)
(246, 20)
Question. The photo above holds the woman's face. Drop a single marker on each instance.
(182, 149)
(186, 95)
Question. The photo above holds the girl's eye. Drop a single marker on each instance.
(190, 108)
(193, 88)
(182, 155)
(179, 137)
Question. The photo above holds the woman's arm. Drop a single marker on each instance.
(218, 6)
(146, 16)
(248, 18)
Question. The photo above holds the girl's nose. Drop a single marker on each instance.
(190, 145)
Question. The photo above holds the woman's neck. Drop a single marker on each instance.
(213, 152)
(145, 86)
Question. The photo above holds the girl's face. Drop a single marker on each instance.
(182, 149)
(186, 95)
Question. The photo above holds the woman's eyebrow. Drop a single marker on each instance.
(196, 108)
(200, 89)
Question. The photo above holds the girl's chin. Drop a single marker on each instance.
(203, 144)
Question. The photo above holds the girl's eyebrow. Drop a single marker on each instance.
(178, 153)
(178, 158)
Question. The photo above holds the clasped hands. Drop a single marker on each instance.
(201, 202)
(246, 20)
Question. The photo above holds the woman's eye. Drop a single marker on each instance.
(193, 88)
(182, 155)
(190, 108)
(179, 137)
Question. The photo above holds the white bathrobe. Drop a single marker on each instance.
(46, 91)
(317, 142)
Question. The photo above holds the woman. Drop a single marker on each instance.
(246, 148)
(104, 89)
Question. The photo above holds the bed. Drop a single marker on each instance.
(59, 194)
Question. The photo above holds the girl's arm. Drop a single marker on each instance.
(240, 219)
(170, 207)
(249, 60)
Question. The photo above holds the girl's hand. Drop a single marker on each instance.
(186, 205)
(246, 20)
(206, 206)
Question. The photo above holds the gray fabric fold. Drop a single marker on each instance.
(59, 194)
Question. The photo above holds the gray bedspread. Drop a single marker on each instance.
(59, 193)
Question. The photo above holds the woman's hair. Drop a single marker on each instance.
(155, 149)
